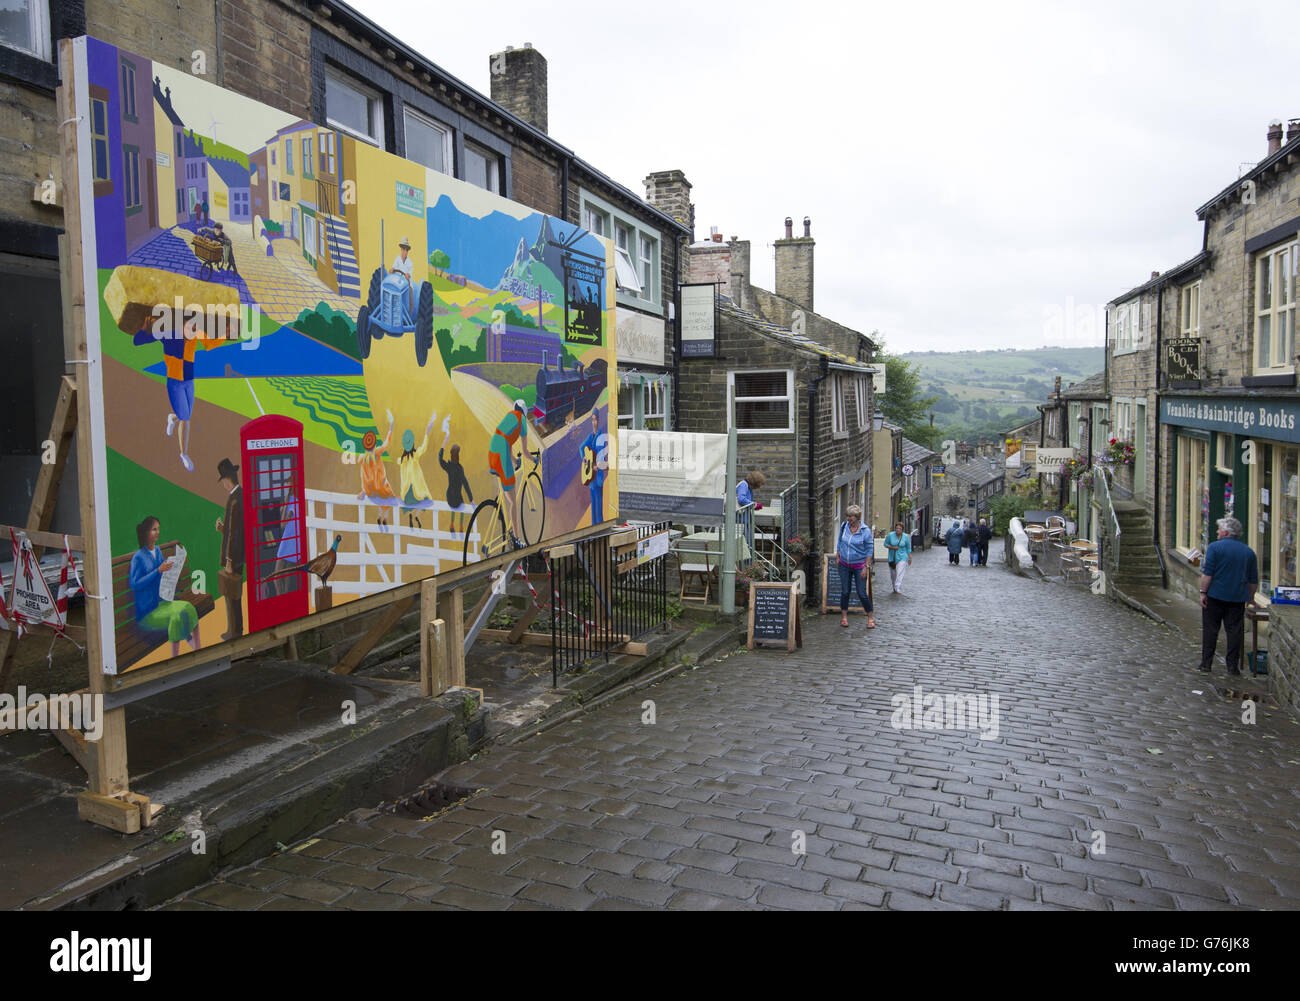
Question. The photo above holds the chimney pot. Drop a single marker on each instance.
(1155, 274)
(789, 228)
(1293, 129)
(807, 226)
(1274, 137)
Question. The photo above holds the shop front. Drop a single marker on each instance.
(1234, 457)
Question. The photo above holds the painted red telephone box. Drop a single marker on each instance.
(275, 520)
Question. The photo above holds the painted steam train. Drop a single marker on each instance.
(564, 393)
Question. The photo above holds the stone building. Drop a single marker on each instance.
(918, 487)
(336, 71)
(966, 488)
(887, 483)
(801, 383)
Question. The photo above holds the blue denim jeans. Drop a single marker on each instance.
(848, 578)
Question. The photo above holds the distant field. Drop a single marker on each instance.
(975, 368)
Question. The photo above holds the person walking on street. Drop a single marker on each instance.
(984, 534)
(1229, 577)
(972, 539)
(899, 544)
(853, 551)
(954, 542)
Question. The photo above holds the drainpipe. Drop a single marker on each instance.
(677, 334)
(1155, 493)
(564, 188)
(812, 481)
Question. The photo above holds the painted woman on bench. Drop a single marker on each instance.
(178, 619)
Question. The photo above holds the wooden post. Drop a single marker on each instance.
(430, 668)
(324, 598)
(451, 609)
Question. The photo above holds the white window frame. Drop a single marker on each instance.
(839, 416)
(1224, 447)
(612, 223)
(788, 399)
(493, 160)
(38, 15)
(1122, 423)
(1189, 320)
(375, 107)
(448, 157)
(1126, 319)
(862, 390)
(1281, 306)
(1187, 509)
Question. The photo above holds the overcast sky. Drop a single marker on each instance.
(978, 175)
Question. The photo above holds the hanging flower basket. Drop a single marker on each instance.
(1120, 453)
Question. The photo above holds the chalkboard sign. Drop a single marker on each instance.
(774, 615)
(831, 586)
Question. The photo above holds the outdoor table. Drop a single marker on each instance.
(699, 554)
(1256, 615)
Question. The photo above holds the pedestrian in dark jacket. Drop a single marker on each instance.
(954, 542)
(984, 533)
(972, 539)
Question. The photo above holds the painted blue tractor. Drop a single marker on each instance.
(388, 311)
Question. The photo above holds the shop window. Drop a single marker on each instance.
(1223, 453)
(1191, 496)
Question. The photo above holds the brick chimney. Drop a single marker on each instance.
(670, 193)
(794, 265)
(1293, 129)
(1274, 137)
(519, 83)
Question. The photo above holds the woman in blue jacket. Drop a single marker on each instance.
(853, 550)
(899, 544)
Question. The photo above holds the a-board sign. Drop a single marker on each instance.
(313, 364)
(774, 615)
(831, 586)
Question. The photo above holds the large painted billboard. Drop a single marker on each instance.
(317, 370)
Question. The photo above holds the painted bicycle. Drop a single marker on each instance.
(492, 521)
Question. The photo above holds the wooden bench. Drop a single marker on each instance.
(134, 642)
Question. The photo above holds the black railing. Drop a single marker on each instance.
(602, 599)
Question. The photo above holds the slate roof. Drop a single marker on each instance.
(1091, 388)
(914, 452)
(789, 337)
(977, 472)
(232, 173)
(1173, 274)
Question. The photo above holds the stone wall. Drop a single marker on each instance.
(1284, 655)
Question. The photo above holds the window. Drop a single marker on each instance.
(99, 138)
(653, 398)
(131, 177)
(25, 24)
(482, 167)
(839, 406)
(1100, 435)
(763, 401)
(595, 221)
(128, 90)
(275, 192)
(862, 388)
(1223, 449)
(1189, 321)
(354, 108)
(1270, 514)
(309, 236)
(1276, 271)
(1191, 496)
(427, 142)
(288, 156)
(272, 151)
(647, 262)
(1122, 428)
(326, 147)
(1074, 437)
(306, 156)
(1126, 326)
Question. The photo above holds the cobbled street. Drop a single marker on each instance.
(1104, 730)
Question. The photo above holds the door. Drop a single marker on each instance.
(275, 523)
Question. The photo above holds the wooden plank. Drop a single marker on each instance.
(74, 742)
(47, 540)
(560, 552)
(544, 639)
(110, 812)
(525, 620)
(626, 538)
(147, 810)
(428, 664)
(376, 632)
(451, 609)
(635, 649)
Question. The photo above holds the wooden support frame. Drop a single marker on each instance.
(376, 632)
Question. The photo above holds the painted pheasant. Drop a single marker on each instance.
(322, 566)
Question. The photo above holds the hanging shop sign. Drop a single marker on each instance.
(697, 306)
(1183, 359)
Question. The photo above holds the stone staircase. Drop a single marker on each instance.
(1138, 563)
(343, 257)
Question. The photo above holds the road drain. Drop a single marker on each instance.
(429, 801)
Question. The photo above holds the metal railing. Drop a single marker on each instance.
(598, 604)
(1110, 532)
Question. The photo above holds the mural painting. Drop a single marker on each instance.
(326, 371)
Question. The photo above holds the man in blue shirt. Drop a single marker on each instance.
(1229, 576)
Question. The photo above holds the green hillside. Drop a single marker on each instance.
(983, 393)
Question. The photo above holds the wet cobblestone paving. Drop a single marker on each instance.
(1107, 738)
